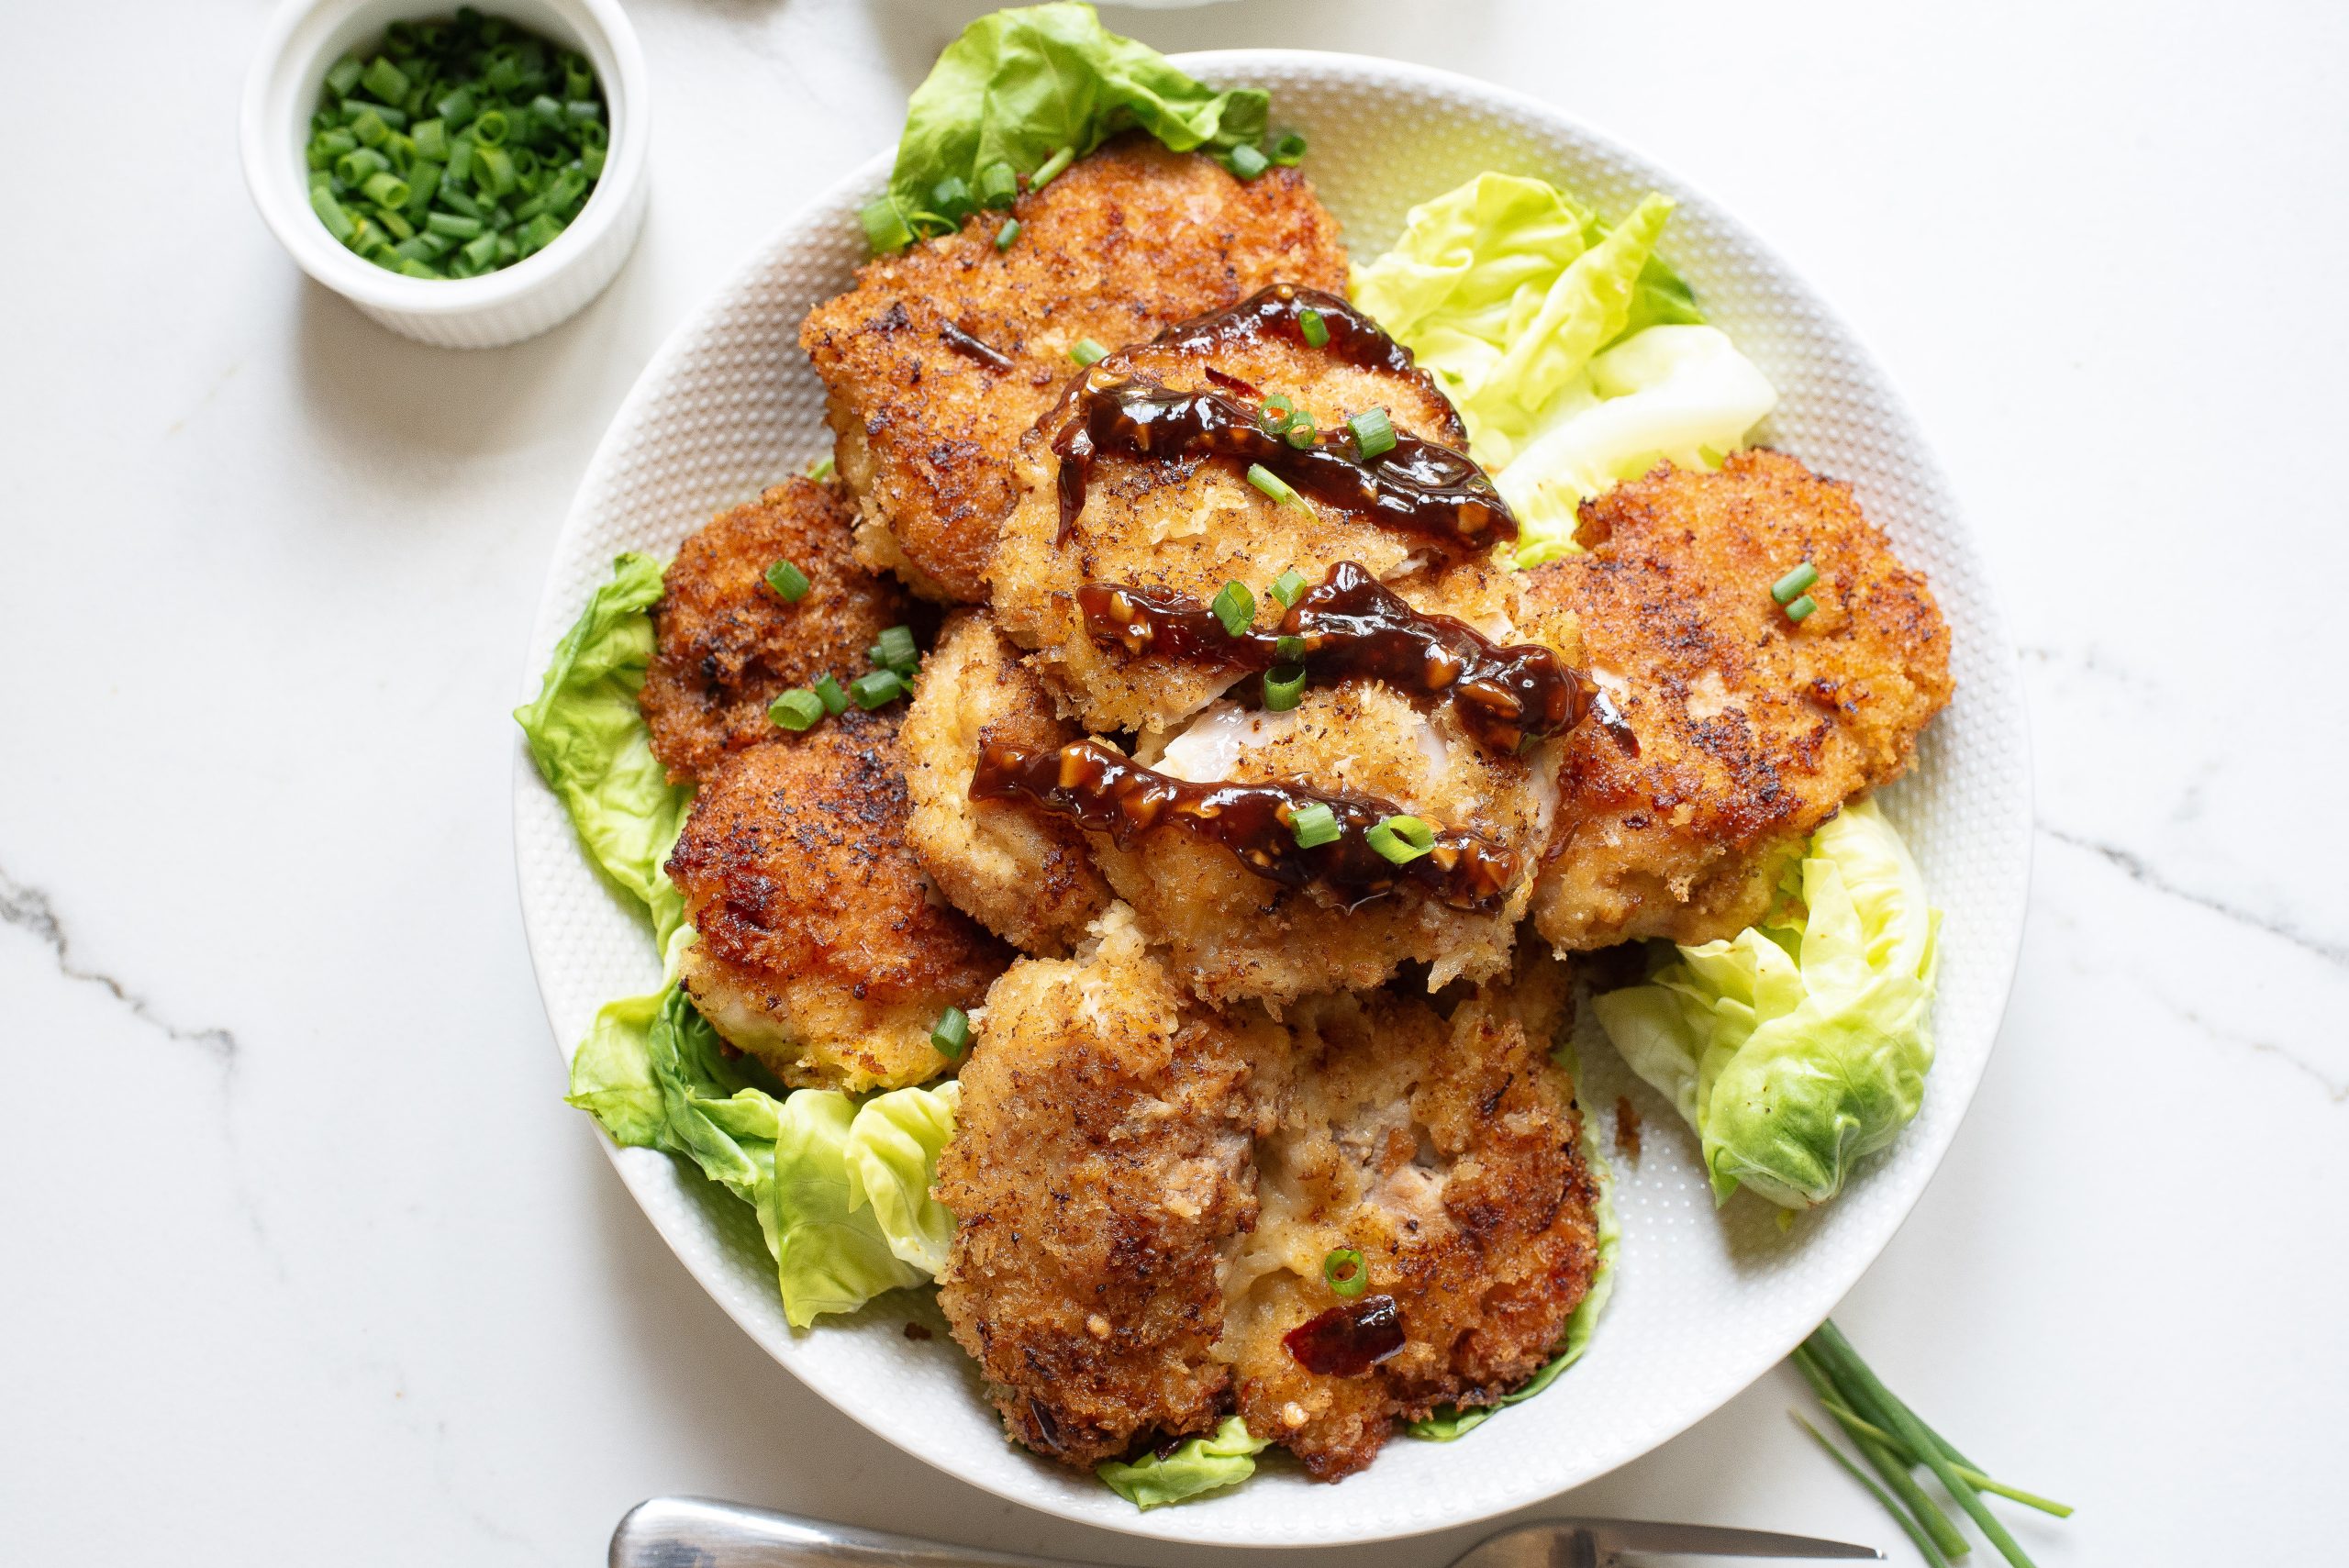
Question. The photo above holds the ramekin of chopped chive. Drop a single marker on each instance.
(468, 177)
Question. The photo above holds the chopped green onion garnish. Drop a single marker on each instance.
(1315, 824)
(1235, 607)
(1787, 588)
(1284, 687)
(952, 1035)
(1300, 433)
(1346, 1272)
(788, 581)
(876, 688)
(796, 710)
(1289, 149)
(344, 76)
(1086, 351)
(1801, 609)
(1288, 588)
(821, 468)
(828, 691)
(1051, 167)
(1248, 161)
(897, 650)
(1401, 840)
(1315, 330)
(951, 196)
(998, 185)
(1289, 649)
(1274, 486)
(1373, 432)
(384, 78)
(1007, 234)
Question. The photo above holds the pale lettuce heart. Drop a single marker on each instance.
(1225, 1457)
(1798, 1047)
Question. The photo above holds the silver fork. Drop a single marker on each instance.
(697, 1532)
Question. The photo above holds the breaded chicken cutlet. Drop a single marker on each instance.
(1147, 1193)
(726, 643)
(821, 950)
(941, 357)
(1751, 729)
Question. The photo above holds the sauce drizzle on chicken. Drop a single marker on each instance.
(1106, 791)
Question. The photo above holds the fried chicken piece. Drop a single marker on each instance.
(942, 356)
(1186, 524)
(821, 950)
(1447, 1152)
(726, 644)
(1098, 1169)
(1024, 874)
(1234, 935)
(1752, 729)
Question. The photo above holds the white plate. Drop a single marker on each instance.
(1707, 1302)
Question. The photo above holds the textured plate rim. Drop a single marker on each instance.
(643, 1171)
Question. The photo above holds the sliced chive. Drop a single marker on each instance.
(1247, 161)
(1800, 610)
(1300, 433)
(828, 691)
(1315, 824)
(1007, 234)
(1289, 151)
(481, 252)
(897, 650)
(1274, 486)
(490, 129)
(1315, 330)
(950, 1036)
(344, 76)
(1284, 687)
(796, 710)
(1923, 1542)
(1086, 351)
(1787, 588)
(998, 185)
(432, 139)
(1288, 588)
(1373, 433)
(1235, 607)
(1399, 841)
(1346, 1272)
(384, 78)
(1289, 649)
(1051, 167)
(788, 581)
(875, 688)
(386, 189)
(951, 196)
(330, 212)
(821, 468)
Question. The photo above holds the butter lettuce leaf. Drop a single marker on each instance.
(1021, 84)
(893, 1151)
(590, 744)
(1800, 1046)
(1223, 1458)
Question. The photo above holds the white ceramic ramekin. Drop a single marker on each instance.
(504, 307)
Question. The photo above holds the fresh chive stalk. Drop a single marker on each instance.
(1924, 1543)
(1885, 1463)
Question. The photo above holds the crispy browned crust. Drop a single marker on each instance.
(726, 644)
(1099, 1164)
(1023, 874)
(1130, 241)
(1753, 729)
(1447, 1152)
(1145, 1190)
(821, 951)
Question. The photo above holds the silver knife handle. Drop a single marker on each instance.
(697, 1532)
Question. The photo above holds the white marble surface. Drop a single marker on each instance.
(306, 1261)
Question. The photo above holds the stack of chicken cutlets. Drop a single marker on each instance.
(1246, 800)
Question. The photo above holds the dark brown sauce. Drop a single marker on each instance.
(1610, 718)
(971, 348)
(1278, 311)
(1346, 1341)
(1416, 487)
(1506, 696)
(1103, 791)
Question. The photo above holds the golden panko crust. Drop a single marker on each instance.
(1129, 240)
(726, 644)
(821, 951)
(1752, 729)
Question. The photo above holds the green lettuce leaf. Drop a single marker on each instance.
(1448, 1422)
(1680, 393)
(592, 748)
(1225, 1457)
(1800, 1046)
(1021, 84)
(830, 1248)
(893, 1162)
